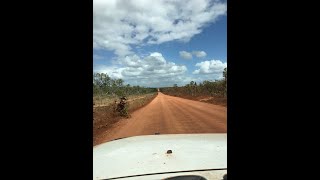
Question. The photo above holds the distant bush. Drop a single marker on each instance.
(104, 85)
(206, 88)
(106, 89)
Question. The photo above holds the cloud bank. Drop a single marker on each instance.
(152, 70)
(210, 67)
(119, 24)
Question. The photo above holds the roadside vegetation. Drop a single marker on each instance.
(214, 92)
(113, 100)
(106, 90)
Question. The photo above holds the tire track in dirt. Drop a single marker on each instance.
(199, 121)
(205, 118)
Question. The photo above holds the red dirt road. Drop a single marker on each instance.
(170, 115)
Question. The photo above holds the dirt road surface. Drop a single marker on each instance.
(170, 115)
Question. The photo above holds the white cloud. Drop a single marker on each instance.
(112, 71)
(199, 53)
(188, 55)
(151, 67)
(180, 80)
(210, 67)
(185, 55)
(119, 24)
(153, 70)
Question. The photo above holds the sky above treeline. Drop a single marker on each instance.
(160, 43)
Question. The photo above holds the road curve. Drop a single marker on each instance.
(171, 115)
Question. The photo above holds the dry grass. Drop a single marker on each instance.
(107, 100)
(139, 102)
(104, 116)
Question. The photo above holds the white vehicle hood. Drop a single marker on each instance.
(148, 155)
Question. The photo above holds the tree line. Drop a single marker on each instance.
(105, 85)
(207, 88)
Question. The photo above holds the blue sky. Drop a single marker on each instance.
(161, 43)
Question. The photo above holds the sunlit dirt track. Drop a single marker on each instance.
(170, 115)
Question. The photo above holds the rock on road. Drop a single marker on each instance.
(171, 115)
